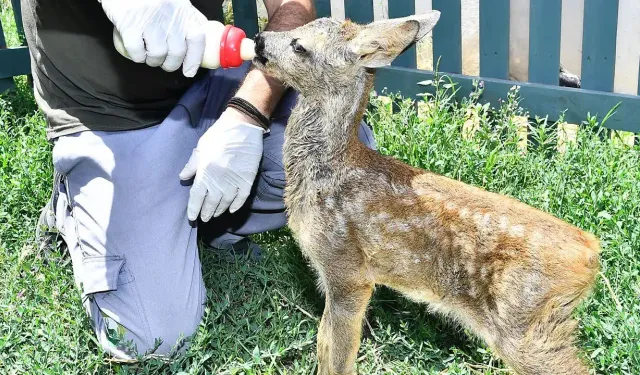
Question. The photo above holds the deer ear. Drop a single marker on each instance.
(379, 43)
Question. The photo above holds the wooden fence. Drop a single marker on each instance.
(13, 61)
(540, 96)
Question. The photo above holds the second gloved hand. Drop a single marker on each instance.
(225, 164)
(166, 33)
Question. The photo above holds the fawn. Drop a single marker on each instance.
(510, 273)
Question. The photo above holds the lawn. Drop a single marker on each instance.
(261, 318)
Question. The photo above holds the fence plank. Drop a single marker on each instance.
(5, 83)
(599, 44)
(360, 11)
(402, 8)
(447, 37)
(494, 38)
(323, 8)
(3, 41)
(245, 16)
(536, 98)
(636, 139)
(544, 41)
(14, 62)
(17, 16)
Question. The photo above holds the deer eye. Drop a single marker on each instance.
(297, 47)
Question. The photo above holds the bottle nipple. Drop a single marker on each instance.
(235, 47)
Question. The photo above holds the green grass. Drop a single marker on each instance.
(262, 318)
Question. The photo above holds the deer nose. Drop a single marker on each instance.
(259, 42)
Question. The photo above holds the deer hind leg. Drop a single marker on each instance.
(346, 300)
(547, 348)
(541, 341)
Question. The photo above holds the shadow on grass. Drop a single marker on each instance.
(263, 315)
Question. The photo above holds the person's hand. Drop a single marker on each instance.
(225, 163)
(166, 33)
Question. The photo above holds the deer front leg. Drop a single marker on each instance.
(341, 326)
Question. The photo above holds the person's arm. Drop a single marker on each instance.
(226, 160)
(257, 88)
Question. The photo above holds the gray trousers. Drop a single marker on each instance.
(121, 209)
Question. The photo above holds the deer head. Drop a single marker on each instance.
(327, 54)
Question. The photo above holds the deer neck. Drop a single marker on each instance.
(321, 135)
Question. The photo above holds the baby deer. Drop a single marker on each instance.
(509, 272)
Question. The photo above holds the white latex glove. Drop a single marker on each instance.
(225, 163)
(166, 33)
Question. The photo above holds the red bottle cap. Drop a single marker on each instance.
(230, 47)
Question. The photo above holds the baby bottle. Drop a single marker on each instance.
(226, 46)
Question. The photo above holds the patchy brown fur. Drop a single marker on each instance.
(509, 272)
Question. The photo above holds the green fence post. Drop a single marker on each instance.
(599, 44)
(17, 16)
(5, 83)
(323, 8)
(447, 36)
(636, 139)
(245, 16)
(494, 38)
(545, 28)
(359, 11)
